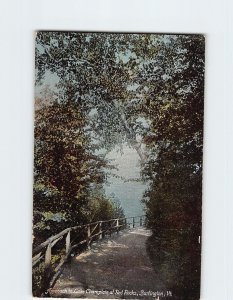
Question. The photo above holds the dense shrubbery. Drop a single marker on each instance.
(173, 200)
(67, 172)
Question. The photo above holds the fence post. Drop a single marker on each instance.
(48, 255)
(110, 229)
(88, 236)
(100, 231)
(141, 221)
(133, 222)
(47, 270)
(117, 224)
(68, 242)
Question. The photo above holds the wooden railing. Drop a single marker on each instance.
(74, 237)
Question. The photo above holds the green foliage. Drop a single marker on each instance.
(174, 197)
(65, 169)
(103, 208)
(37, 279)
(113, 88)
(95, 72)
(40, 282)
(173, 200)
(175, 255)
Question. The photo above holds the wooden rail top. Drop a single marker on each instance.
(65, 231)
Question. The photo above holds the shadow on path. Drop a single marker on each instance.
(117, 268)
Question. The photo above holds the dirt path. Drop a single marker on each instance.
(117, 268)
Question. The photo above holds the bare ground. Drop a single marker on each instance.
(115, 268)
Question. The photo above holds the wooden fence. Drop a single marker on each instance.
(74, 238)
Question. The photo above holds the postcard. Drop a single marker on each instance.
(118, 142)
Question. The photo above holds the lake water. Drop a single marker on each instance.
(129, 193)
